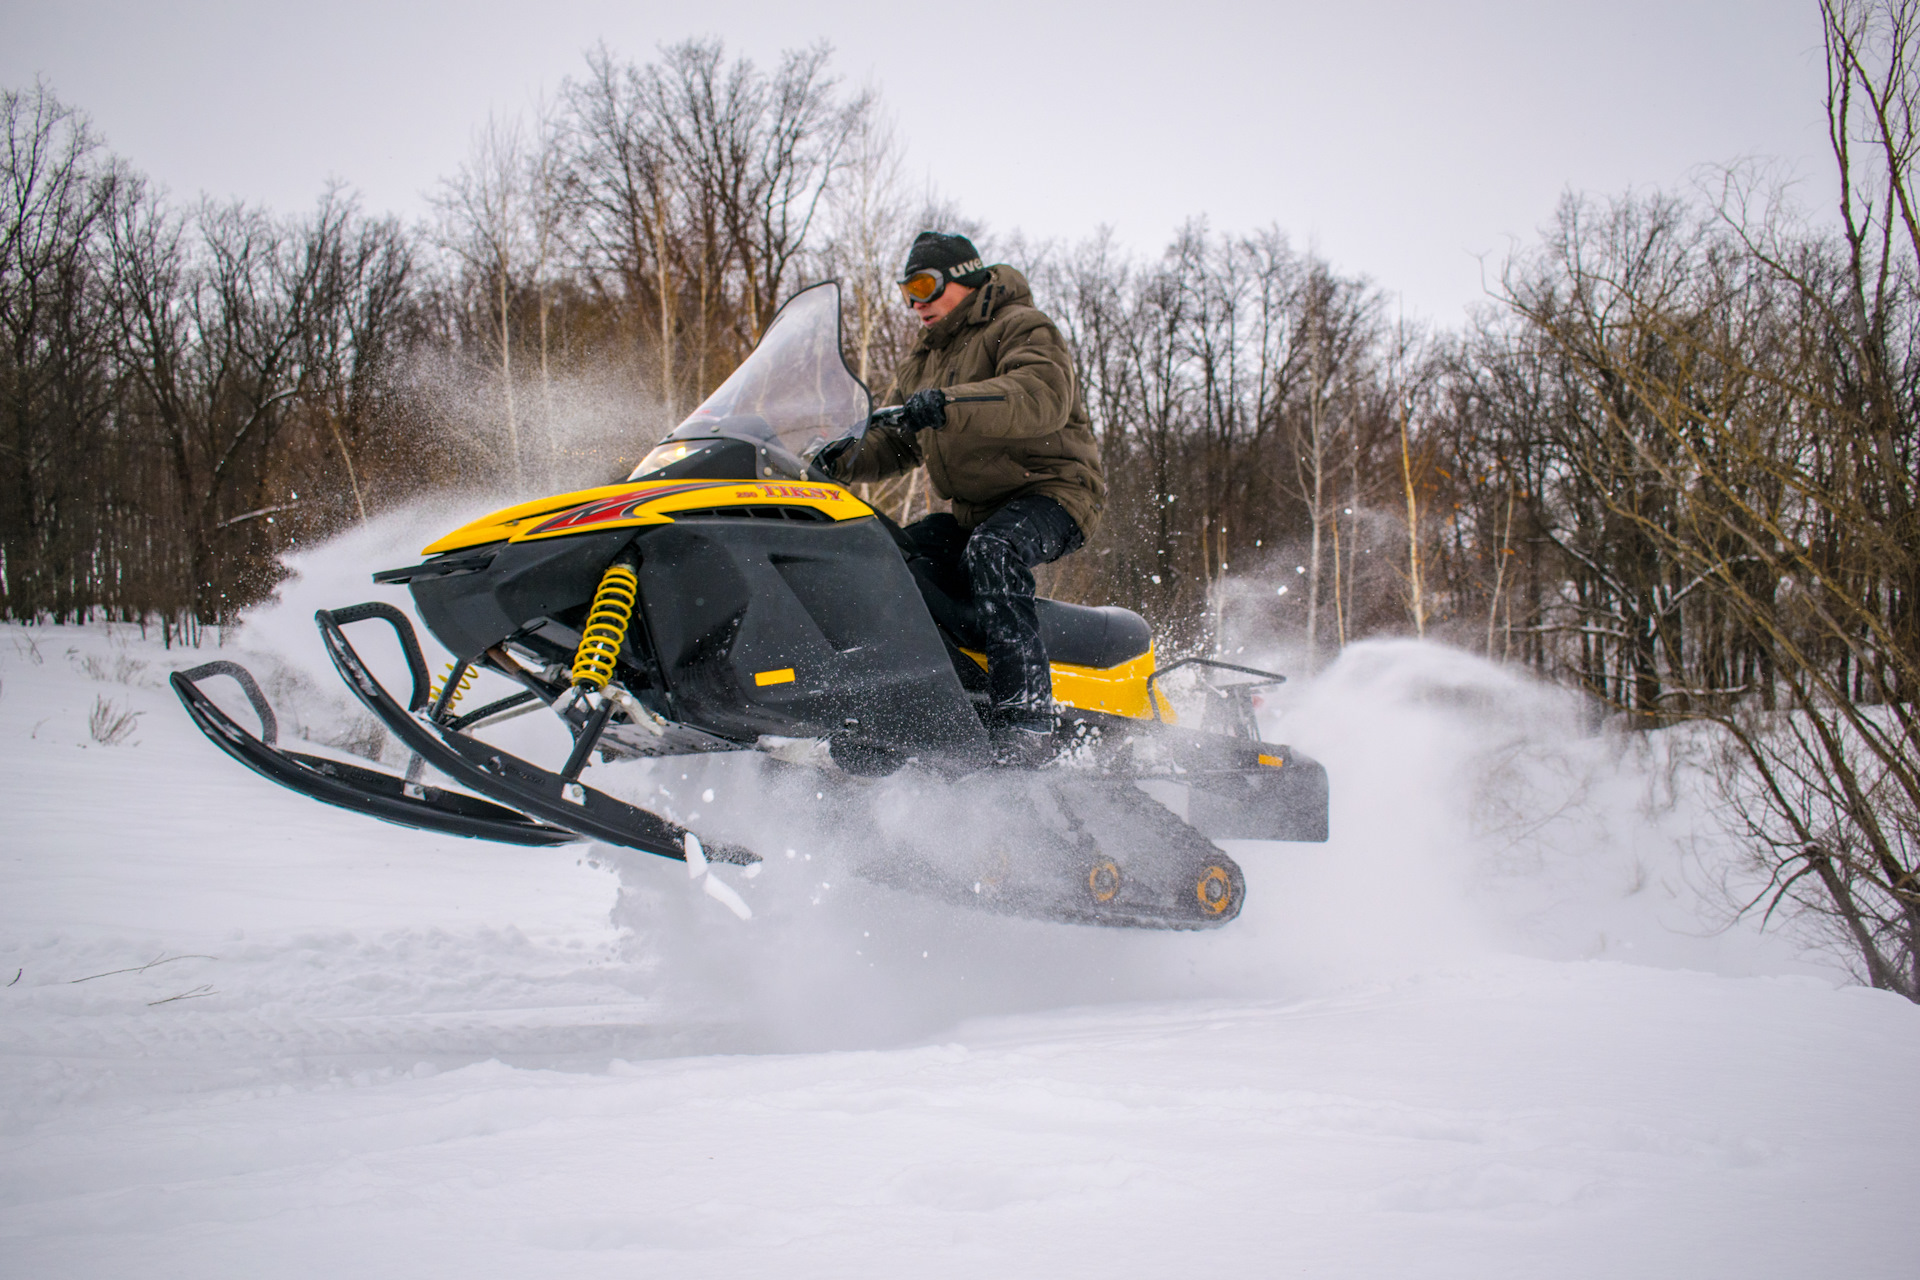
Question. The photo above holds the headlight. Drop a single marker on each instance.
(665, 455)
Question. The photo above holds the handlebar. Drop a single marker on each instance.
(893, 415)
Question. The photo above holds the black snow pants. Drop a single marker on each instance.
(993, 563)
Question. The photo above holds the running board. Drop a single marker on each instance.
(488, 770)
(347, 786)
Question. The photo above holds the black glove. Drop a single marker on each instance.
(925, 410)
(831, 454)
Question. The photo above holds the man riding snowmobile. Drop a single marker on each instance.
(989, 404)
(729, 597)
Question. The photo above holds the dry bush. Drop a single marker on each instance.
(108, 725)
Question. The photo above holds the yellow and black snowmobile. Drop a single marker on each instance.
(728, 596)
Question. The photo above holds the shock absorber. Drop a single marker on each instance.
(593, 664)
(606, 627)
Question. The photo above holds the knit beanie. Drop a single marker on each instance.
(952, 256)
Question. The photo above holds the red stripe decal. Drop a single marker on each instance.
(622, 506)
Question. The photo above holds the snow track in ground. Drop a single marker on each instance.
(247, 1034)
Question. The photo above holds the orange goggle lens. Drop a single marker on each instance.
(923, 286)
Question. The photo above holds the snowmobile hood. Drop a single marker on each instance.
(630, 504)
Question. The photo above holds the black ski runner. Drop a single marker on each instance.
(348, 786)
(490, 771)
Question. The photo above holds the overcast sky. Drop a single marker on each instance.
(1410, 141)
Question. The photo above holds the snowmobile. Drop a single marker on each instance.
(730, 596)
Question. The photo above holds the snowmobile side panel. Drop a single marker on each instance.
(497, 774)
(802, 630)
(471, 612)
(1118, 690)
(347, 786)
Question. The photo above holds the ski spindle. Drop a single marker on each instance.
(584, 744)
(458, 677)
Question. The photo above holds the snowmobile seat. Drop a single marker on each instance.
(1092, 635)
(1075, 634)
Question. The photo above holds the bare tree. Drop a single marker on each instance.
(699, 185)
(868, 213)
(1732, 440)
(631, 203)
(57, 375)
(547, 212)
(484, 222)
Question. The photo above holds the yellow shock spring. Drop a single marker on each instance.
(606, 626)
(459, 690)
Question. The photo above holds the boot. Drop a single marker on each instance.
(1022, 739)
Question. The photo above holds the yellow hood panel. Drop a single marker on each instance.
(634, 504)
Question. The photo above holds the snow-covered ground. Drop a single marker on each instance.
(1496, 1027)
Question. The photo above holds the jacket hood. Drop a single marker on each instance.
(1005, 287)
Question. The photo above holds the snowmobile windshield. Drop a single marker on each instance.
(795, 390)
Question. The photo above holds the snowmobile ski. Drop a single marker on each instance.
(490, 771)
(348, 786)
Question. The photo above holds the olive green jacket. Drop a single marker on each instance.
(1037, 440)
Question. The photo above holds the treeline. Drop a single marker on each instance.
(621, 252)
(180, 390)
(1671, 462)
(187, 391)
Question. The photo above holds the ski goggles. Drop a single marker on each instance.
(924, 285)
